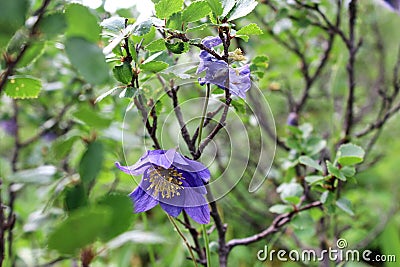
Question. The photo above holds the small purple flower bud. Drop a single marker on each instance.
(9, 126)
(293, 119)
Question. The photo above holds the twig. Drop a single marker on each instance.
(184, 239)
(52, 262)
(382, 119)
(193, 232)
(2, 226)
(277, 223)
(352, 47)
(221, 229)
(173, 94)
(11, 223)
(217, 128)
(139, 104)
(294, 47)
(184, 38)
(203, 115)
(209, 117)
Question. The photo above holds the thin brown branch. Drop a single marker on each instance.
(217, 128)
(223, 250)
(277, 223)
(381, 122)
(179, 116)
(209, 117)
(145, 117)
(184, 38)
(195, 236)
(353, 48)
(2, 226)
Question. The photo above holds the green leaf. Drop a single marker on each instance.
(114, 24)
(327, 197)
(12, 17)
(61, 147)
(91, 118)
(135, 236)
(198, 28)
(75, 197)
(154, 66)
(261, 62)
(175, 21)
(128, 92)
(123, 73)
(218, 91)
(80, 229)
(178, 47)
(349, 154)
(155, 46)
(215, 6)
(334, 171)
(227, 6)
(121, 214)
(145, 39)
(348, 171)
(243, 37)
(290, 192)
(88, 59)
(280, 209)
(105, 94)
(142, 28)
(33, 52)
(91, 162)
(251, 29)
(239, 105)
(21, 87)
(345, 205)
(40, 175)
(242, 8)
(313, 179)
(305, 160)
(53, 24)
(314, 145)
(82, 23)
(196, 11)
(165, 8)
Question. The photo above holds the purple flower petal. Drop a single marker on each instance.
(239, 81)
(162, 167)
(218, 72)
(292, 119)
(170, 209)
(137, 169)
(211, 41)
(142, 200)
(193, 182)
(162, 158)
(199, 214)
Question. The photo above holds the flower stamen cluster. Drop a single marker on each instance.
(166, 182)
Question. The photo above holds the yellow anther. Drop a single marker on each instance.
(164, 181)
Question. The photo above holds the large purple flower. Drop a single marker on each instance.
(218, 72)
(173, 181)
